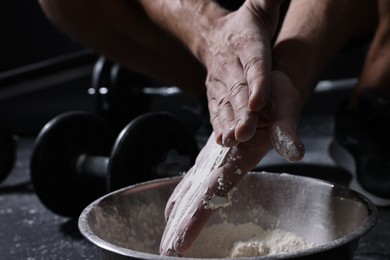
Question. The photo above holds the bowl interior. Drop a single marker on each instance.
(131, 220)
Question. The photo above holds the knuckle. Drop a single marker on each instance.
(236, 92)
(251, 63)
(237, 87)
(213, 110)
(240, 109)
(223, 102)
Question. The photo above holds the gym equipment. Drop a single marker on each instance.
(121, 95)
(77, 157)
(119, 92)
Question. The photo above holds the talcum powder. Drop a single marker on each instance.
(244, 240)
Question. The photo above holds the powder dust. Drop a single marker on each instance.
(244, 240)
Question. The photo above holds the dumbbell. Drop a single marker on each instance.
(77, 157)
(7, 151)
(121, 94)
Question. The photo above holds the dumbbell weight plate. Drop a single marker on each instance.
(148, 142)
(119, 93)
(53, 165)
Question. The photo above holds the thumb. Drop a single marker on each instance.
(286, 142)
(284, 116)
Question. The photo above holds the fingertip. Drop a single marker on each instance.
(295, 153)
(169, 252)
(218, 137)
(168, 210)
(257, 101)
(258, 98)
(229, 138)
(246, 128)
(245, 134)
(287, 144)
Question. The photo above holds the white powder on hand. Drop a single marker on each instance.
(244, 240)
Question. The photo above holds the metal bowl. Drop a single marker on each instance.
(128, 223)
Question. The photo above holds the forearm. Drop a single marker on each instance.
(188, 20)
(313, 32)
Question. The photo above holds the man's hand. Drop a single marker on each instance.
(236, 50)
(210, 183)
(207, 186)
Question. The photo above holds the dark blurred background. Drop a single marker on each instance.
(42, 71)
(28, 37)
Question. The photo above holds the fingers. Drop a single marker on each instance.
(221, 113)
(248, 85)
(245, 121)
(230, 116)
(256, 65)
(185, 184)
(257, 73)
(238, 66)
(188, 214)
(285, 108)
(256, 59)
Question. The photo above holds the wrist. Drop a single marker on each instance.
(204, 22)
(268, 6)
(267, 10)
(189, 21)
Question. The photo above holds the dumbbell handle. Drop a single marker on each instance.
(170, 169)
(92, 165)
(98, 166)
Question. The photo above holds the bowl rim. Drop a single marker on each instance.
(368, 224)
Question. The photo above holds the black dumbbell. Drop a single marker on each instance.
(78, 158)
(118, 93)
(121, 95)
(7, 151)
